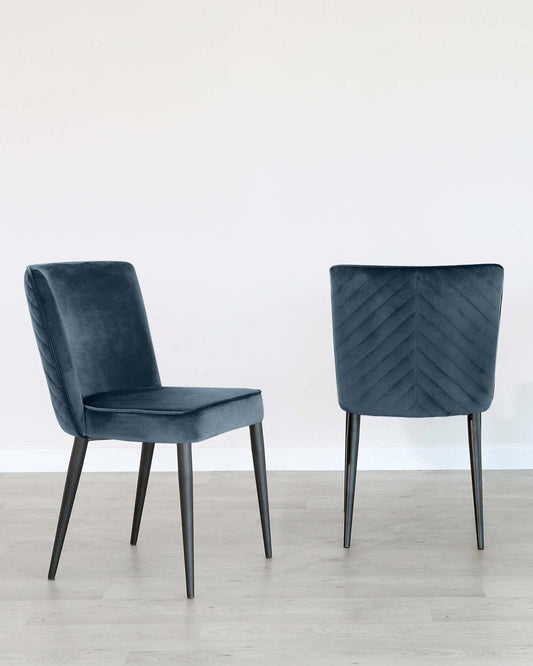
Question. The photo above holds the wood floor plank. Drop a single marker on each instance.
(413, 589)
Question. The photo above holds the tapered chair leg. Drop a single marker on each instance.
(187, 522)
(258, 455)
(147, 453)
(474, 441)
(346, 459)
(75, 466)
(353, 425)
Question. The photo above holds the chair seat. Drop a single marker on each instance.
(170, 413)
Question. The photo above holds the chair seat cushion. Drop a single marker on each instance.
(170, 413)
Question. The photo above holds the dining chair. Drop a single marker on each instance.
(415, 342)
(96, 349)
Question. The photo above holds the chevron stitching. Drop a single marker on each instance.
(375, 311)
(448, 322)
(480, 292)
(481, 329)
(444, 339)
(369, 297)
(370, 336)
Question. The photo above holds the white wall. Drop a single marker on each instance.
(233, 151)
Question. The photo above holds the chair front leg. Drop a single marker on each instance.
(353, 426)
(474, 445)
(258, 455)
(186, 503)
(147, 453)
(75, 466)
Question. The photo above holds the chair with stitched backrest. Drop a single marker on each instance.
(415, 342)
(97, 353)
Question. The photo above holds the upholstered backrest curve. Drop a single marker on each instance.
(92, 333)
(416, 341)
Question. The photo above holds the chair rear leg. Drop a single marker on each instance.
(474, 443)
(258, 455)
(147, 453)
(186, 503)
(353, 425)
(75, 466)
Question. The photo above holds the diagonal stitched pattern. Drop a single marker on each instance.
(416, 341)
(58, 394)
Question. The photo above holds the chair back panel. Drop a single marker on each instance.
(416, 341)
(92, 333)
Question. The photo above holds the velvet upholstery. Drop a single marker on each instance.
(170, 414)
(415, 341)
(93, 336)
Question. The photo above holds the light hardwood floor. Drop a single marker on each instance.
(412, 590)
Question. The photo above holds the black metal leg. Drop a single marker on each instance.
(474, 442)
(77, 457)
(346, 459)
(258, 455)
(186, 504)
(147, 453)
(353, 424)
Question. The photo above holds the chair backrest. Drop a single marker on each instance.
(92, 333)
(416, 341)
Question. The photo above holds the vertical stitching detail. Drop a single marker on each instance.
(33, 285)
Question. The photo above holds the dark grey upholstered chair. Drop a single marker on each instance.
(415, 342)
(97, 354)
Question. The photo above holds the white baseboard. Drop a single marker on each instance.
(124, 457)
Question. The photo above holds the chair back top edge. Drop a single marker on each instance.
(417, 267)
